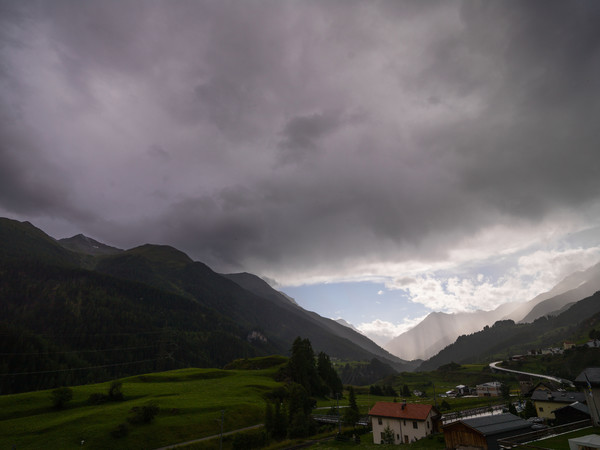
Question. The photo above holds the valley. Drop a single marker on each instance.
(81, 314)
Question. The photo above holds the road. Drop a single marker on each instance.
(215, 436)
(494, 366)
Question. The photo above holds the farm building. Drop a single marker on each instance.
(491, 389)
(483, 432)
(574, 412)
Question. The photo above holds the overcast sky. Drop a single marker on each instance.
(417, 155)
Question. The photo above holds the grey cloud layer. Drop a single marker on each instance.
(298, 136)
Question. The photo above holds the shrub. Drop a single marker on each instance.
(61, 396)
(143, 414)
(115, 392)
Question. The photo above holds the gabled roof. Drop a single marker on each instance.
(591, 374)
(577, 406)
(495, 384)
(411, 411)
(558, 397)
(490, 425)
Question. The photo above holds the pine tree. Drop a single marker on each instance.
(302, 367)
(388, 436)
(406, 391)
(351, 414)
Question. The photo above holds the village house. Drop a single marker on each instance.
(408, 421)
(491, 389)
(547, 401)
(593, 343)
(484, 432)
(575, 412)
(462, 389)
(544, 385)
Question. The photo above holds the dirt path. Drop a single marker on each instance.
(215, 436)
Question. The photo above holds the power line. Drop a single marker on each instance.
(33, 334)
(82, 368)
(82, 351)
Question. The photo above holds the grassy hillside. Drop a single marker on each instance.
(190, 402)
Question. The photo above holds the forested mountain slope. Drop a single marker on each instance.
(69, 317)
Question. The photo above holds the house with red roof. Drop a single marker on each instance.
(407, 421)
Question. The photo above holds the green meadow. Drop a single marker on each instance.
(190, 404)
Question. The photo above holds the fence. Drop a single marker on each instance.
(481, 411)
(526, 440)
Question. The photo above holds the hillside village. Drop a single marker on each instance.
(540, 411)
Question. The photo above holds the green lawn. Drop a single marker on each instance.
(190, 402)
(562, 442)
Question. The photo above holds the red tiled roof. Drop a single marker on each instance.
(409, 411)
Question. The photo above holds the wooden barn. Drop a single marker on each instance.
(484, 432)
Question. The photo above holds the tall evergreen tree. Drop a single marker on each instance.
(406, 391)
(302, 366)
(351, 414)
(329, 375)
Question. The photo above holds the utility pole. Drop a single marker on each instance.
(337, 398)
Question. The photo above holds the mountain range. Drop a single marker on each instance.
(506, 338)
(75, 304)
(439, 330)
(76, 310)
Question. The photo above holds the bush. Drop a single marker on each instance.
(143, 414)
(61, 396)
(115, 392)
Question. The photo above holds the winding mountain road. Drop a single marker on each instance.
(494, 366)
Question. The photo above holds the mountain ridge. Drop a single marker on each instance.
(46, 287)
(438, 330)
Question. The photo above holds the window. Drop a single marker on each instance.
(404, 422)
(428, 425)
(415, 424)
(382, 437)
(379, 421)
(541, 409)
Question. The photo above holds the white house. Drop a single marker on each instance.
(491, 389)
(408, 421)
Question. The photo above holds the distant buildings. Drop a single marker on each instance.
(491, 389)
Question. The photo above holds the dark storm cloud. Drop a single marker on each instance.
(302, 134)
(299, 136)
